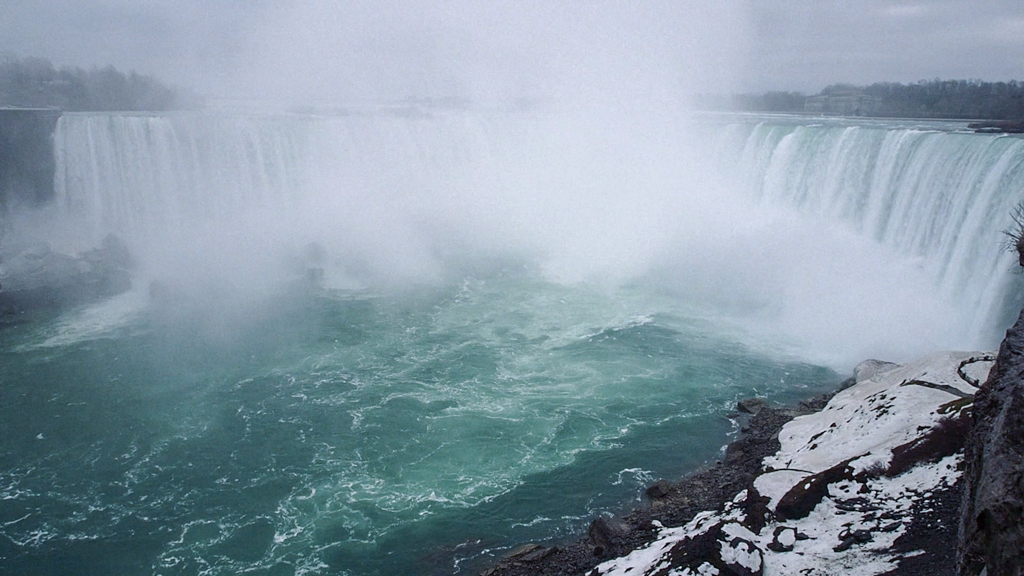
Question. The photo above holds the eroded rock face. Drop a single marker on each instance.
(992, 512)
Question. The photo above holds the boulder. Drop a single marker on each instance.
(808, 493)
(524, 550)
(659, 489)
(849, 538)
(606, 534)
(740, 557)
(755, 509)
(751, 405)
(718, 550)
(783, 539)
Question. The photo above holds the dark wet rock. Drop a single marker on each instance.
(856, 504)
(659, 490)
(808, 493)
(931, 525)
(607, 533)
(817, 403)
(848, 538)
(530, 553)
(783, 539)
(944, 439)
(751, 405)
(734, 453)
(991, 529)
(523, 550)
(755, 509)
(890, 527)
(539, 553)
(27, 160)
(728, 555)
(740, 557)
(694, 552)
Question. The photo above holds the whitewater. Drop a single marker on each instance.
(404, 341)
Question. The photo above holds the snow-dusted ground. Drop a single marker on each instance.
(851, 530)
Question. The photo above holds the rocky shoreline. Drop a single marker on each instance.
(865, 480)
(35, 277)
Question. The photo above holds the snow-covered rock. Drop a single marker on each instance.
(852, 475)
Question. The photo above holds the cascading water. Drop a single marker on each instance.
(926, 192)
(522, 320)
(149, 175)
(140, 175)
(373, 186)
(929, 192)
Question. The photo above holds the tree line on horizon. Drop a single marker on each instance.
(35, 83)
(961, 99)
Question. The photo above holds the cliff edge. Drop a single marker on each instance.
(992, 509)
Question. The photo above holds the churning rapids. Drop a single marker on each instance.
(401, 342)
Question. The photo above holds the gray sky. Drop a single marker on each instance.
(309, 50)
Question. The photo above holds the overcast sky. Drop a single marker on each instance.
(354, 49)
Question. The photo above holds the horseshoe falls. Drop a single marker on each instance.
(404, 342)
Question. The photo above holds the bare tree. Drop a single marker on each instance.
(1015, 235)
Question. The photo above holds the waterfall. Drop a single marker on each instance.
(927, 192)
(940, 195)
(140, 175)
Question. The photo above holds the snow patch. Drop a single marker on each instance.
(853, 529)
(869, 419)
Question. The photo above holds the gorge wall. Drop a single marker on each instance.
(26, 155)
(991, 526)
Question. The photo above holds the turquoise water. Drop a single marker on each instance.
(524, 320)
(328, 432)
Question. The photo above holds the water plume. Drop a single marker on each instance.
(744, 221)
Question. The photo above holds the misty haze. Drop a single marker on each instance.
(295, 289)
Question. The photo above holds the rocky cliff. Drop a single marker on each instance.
(992, 509)
(27, 161)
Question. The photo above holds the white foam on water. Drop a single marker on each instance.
(100, 320)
